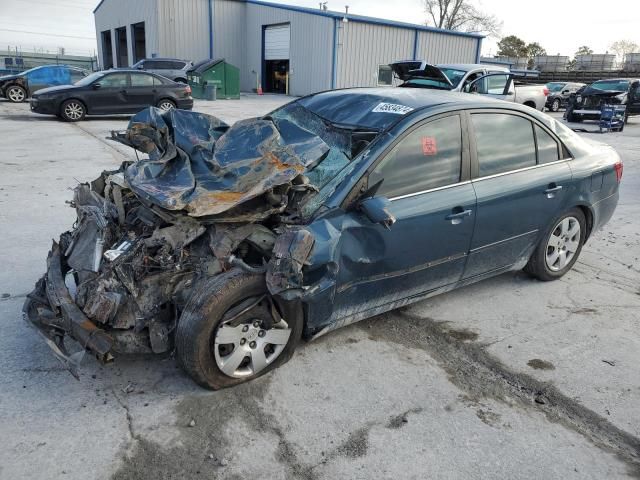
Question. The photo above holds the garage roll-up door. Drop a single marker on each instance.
(276, 42)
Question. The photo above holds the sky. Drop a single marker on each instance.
(560, 27)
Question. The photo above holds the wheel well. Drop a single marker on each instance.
(588, 215)
(529, 103)
(180, 80)
(160, 100)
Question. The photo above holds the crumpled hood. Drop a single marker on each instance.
(199, 164)
(56, 89)
(6, 78)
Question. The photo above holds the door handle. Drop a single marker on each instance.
(551, 191)
(458, 215)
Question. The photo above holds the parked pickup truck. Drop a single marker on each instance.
(491, 80)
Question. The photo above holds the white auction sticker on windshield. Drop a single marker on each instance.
(392, 108)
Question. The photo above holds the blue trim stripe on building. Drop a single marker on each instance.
(334, 59)
(478, 50)
(210, 29)
(362, 19)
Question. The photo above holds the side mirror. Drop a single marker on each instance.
(565, 92)
(375, 209)
(140, 67)
(96, 86)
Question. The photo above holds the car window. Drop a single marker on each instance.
(428, 157)
(547, 146)
(493, 84)
(161, 81)
(162, 65)
(141, 80)
(503, 142)
(177, 65)
(150, 64)
(114, 80)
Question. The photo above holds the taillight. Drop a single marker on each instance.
(618, 168)
(545, 90)
(187, 90)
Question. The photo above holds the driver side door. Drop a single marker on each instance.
(494, 85)
(109, 94)
(425, 175)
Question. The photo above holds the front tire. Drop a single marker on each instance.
(555, 105)
(72, 111)
(16, 94)
(559, 248)
(226, 334)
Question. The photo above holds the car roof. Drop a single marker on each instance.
(380, 107)
(471, 66)
(166, 58)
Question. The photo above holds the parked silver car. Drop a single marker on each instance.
(171, 68)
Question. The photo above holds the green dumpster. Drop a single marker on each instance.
(207, 73)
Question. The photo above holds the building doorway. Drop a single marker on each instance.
(107, 50)
(276, 63)
(122, 55)
(139, 42)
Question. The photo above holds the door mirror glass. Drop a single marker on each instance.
(376, 210)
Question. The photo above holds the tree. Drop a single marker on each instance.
(512, 46)
(622, 47)
(584, 50)
(461, 15)
(534, 49)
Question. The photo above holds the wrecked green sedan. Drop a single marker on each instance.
(228, 244)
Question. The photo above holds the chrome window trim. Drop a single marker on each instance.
(408, 195)
(487, 177)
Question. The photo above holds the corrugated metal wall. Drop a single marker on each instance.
(436, 47)
(184, 27)
(114, 14)
(362, 47)
(311, 48)
(229, 33)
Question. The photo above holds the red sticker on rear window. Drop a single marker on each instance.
(429, 146)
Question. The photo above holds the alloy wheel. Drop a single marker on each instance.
(73, 110)
(243, 349)
(563, 243)
(16, 94)
(555, 106)
(166, 106)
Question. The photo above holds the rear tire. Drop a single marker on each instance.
(165, 104)
(16, 94)
(198, 337)
(559, 247)
(72, 110)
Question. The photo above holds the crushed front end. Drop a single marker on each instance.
(208, 198)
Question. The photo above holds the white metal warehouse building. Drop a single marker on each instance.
(316, 49)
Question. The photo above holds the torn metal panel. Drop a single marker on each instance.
(200, 165)
(290, 253)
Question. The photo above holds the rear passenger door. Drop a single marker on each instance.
(142, 92)
(521, 180)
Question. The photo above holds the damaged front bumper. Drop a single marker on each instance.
(52, 311)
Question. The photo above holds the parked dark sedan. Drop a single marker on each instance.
(112, 92)
(17, 88)
(334, 208)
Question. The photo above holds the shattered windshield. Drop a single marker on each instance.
(611, 85)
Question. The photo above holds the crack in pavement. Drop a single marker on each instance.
(471, 368)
